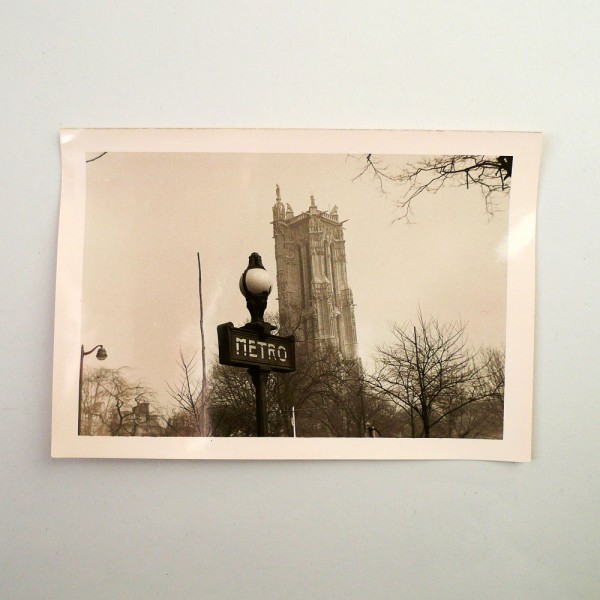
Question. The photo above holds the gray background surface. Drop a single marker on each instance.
(126, 529)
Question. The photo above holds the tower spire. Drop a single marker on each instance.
(278, 208)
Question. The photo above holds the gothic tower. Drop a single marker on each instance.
(315, 301)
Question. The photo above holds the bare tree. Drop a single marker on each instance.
(490, 174)
(326, 391)
(96, 157)
(431, 374)
(232, 411)
(336, 400)
(483, 418)
(493, 393)
(327, 394)
(233, 404)
(114, 405)
(190, 416)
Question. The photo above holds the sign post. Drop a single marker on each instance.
(252, 346)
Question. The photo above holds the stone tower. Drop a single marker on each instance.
(315, 301)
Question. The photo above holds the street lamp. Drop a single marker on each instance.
(255, 285)
(100, 355)
(253, 346)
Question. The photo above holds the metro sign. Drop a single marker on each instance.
(240, 347)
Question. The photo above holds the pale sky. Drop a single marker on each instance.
(147, 214)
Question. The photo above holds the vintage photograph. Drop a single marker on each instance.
(251, 294)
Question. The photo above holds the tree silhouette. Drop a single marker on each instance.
(114, 405)
(190, 417)
(443, 387)
(490, 174)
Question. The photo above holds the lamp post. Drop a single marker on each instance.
(253, 346)
(100, 355)
(255, 285)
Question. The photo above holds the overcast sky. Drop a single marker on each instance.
(147, 214)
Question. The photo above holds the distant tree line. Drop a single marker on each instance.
(427, 382)
(113, 405)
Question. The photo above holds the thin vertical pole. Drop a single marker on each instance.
(204, 430)
(294, 420)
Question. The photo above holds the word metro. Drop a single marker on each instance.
(240, 347)
(245, 347)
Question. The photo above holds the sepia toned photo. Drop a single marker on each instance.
(295, 295)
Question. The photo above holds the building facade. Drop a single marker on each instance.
(315, 300)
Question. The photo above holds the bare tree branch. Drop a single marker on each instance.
(96, 157)
(428, 176)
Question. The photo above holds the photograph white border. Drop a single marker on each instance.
(516, 443)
